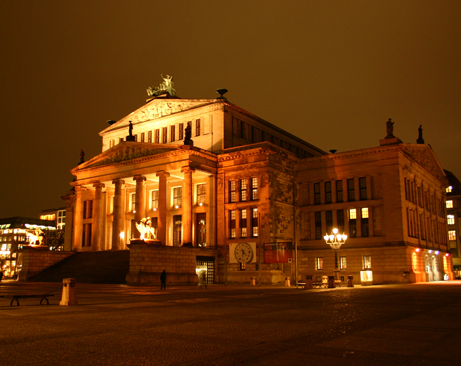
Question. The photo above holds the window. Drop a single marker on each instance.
(133, 202)
(172, 133)
(243, 223)
(449, 204)
(317, 193)
(87, 209)
(86, 235)
(177, 197)
(367, 262)
(177, 230)
(254, 223)
(232, 229)
(364, 221)
(327, 192)
(232, 191)
(181, 131)
(319, 263)
(165, 135)
(451, 219)
(340, 218)
(120, 140)
(243, 130)
(350, 190)
(142, 137)
(318, 225)
(451, 234)
(363, 188)
(243, 190)
(339, 191)
(149, 136)
(197, 127)
(136, 137)
(254, 189)
(449, 189)
(201, 194)
(157, 136)
(154, 200)
(329, 221)
(353, 223)
(342, 263)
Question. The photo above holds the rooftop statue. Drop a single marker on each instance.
(165, 87)
(390, 129)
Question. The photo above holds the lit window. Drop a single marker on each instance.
(317, 193)
(133, 202)
(254, 223)
(232, 230)
(177, 197)
(232, 190)
(365, 213)
(449, 189)
(201, 194)
(367, 262)
(352, 213)
(449, 204)
(342, 263)
(154, 200)
(243, 223)
(451, 234)
(319, 263)
(254, 189)
(451, 219)
(243, 190)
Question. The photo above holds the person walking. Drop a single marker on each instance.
(163, 280)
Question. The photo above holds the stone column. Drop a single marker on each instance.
(98, 217)
(118, 215)
(187, 205)
(78, 218)
(162, 205)
(140, 205)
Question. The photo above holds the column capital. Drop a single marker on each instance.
(139, 178)
(118, 181)
(98, 185)
(162, 173)
(187, 169)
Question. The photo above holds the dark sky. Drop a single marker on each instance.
(330, 72)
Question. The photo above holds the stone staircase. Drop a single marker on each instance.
(108, 267)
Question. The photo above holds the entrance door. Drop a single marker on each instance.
(209, 263)
(200, 230)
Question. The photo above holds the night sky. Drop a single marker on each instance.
(330, 72)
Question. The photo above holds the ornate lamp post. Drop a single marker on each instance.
(335, 240)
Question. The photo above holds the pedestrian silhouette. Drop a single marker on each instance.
(163, 280)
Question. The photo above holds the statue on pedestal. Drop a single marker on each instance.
(390, 129)
(420, 139)
(188, 134)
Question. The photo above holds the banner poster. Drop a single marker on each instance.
(278, 252)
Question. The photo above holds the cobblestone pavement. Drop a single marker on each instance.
(417, 324)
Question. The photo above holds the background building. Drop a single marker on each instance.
(453, 205)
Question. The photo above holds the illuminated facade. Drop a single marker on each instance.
(243, 181)
(58, 216)
(14, 235)
(453, 205)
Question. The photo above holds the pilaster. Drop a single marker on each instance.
(187, 205)
(118, 215)
(162, 205)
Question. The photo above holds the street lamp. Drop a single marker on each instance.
(335, 240)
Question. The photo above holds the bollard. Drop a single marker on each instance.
(253, 281)
(308, 282)
(331, 282)
(349, 281)
(68, 292)
(287, 282)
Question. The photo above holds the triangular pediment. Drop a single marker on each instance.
(158, 108)
(124, 151)
(425, 156)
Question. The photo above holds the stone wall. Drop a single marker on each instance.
(147, 261)
(35, 260)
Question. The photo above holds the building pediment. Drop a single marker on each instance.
(158, 108)
(424, 156)
(124, 151)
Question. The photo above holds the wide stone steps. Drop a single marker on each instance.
(108, 267)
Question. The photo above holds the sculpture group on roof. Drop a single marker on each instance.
(163, 88)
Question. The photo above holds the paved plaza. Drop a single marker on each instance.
(418, 324)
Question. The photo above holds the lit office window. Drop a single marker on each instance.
(451, 219)
(449, 204)
(451, 234)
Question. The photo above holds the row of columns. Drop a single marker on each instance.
(140, 208)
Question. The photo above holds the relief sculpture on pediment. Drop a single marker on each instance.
(425, 159)
(128, 153)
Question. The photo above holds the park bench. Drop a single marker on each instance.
(17, 297)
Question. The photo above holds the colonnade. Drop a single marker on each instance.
(119, 211)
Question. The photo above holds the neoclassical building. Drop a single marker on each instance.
(220, 186)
